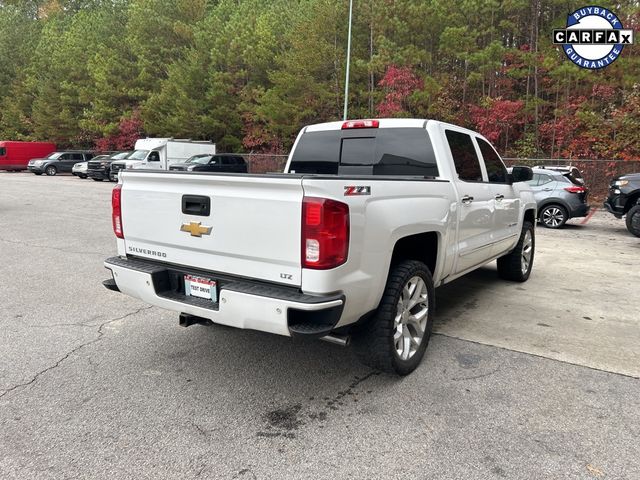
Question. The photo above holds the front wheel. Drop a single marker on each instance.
(395, 339)
(633, 220)
(553, 216)
(51, 170)
(517, 265)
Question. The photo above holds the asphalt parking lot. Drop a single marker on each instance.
(534, 380)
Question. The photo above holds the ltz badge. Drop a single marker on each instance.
(594, 37)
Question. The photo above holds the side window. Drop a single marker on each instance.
(3, 151)
(464, 155)
(77, 157)
(65, 156)
(154, 157)
(545, 179)
(535, 180)
(496, 171)
(214, 161)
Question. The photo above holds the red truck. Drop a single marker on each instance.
(16, 155)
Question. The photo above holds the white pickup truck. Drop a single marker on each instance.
(348, 244)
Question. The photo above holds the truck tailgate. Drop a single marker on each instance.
(253, 224)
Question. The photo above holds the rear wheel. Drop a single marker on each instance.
(553, 216)
(395, 339)
(633, 220)
(51, 170)
(517, 265)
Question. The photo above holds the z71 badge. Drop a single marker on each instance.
(352, 190)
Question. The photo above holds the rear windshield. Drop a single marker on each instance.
(574, 178)
(384, 151)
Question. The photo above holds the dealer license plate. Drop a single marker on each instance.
(200, 287)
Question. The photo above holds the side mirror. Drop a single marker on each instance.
(521, 174)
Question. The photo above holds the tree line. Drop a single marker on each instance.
(248, 74)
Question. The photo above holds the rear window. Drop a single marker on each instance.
(384, 151)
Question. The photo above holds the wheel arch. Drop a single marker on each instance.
(632, 200)
(419, 246)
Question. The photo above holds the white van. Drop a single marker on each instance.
(161, 153)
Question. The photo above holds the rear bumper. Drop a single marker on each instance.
(242, 304)
(581, 210)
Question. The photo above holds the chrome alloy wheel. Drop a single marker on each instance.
(527, 252)
(411, 318)
(553, 216)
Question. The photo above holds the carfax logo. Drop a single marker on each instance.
(594, 37)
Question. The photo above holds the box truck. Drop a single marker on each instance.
(161, 153)
(15, 156)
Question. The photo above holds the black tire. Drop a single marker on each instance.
(374, 342)
(633, 220)
(51, 170)
(38, 173)
(84, 177)
(511, 266)
(96, 179)
(553, 216)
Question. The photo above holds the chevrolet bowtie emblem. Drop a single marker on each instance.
(195, 229)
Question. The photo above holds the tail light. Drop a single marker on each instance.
(325, 233)
(360, 124)
(575, 189)
(116, 211)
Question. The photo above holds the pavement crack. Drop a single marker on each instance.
(100, 332)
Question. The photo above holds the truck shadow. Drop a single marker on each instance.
(460, 296)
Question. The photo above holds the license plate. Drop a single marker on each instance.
(200, 287)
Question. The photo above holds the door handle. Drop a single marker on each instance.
(547, 189)
(499, 197)
(467, 199)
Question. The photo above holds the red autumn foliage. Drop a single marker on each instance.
(130, 129)
(399, 83)
(498, 118)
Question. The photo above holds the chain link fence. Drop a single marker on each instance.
(264, 162)
(597, 173)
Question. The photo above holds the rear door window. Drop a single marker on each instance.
(464, 155)
(496, 171)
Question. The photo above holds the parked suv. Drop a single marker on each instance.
(58, 162)
(573, 172)
(99, 168)
(222, 162)
(624, 199)
(559, 197)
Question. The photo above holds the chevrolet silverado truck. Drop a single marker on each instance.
(348, 244)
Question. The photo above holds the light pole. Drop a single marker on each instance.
(346, 81)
